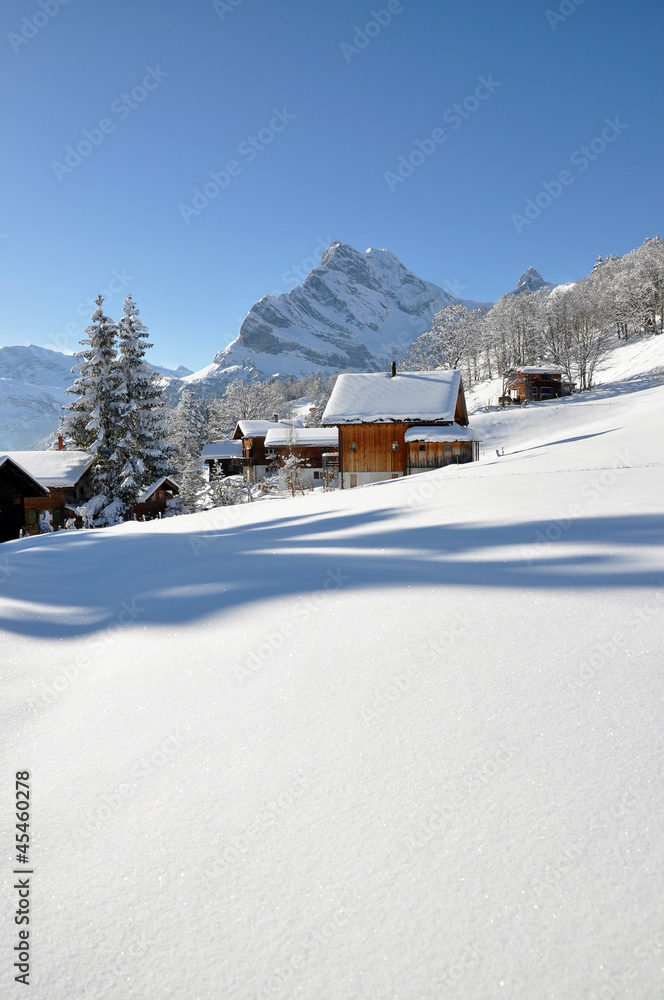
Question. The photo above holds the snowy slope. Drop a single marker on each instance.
(397, 742)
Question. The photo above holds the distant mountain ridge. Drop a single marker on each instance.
(33, 384)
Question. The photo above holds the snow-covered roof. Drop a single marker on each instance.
(436, 434)
(147, 493)
(380, 398)
(538, 370)
(302, 437)
(30, 481)
(53, 468)
(222, 449)
(255, 428)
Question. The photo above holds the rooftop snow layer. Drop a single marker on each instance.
(257, 428)
(303, 437)
(222, 449)
(379, 398)
(539, 369)
(432, 435)
(53, 468)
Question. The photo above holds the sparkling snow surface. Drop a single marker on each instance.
(397, 742)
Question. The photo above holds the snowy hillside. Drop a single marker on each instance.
(32, 390)
(396, 742)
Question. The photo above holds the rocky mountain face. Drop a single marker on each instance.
(356, 311)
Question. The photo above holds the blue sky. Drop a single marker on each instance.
(201, 80)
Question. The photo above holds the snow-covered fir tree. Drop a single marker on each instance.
(143, 454)
(91, 421)
(76, 427)
(187, 435)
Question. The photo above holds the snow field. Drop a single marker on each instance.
(396, 742)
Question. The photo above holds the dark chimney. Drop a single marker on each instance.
(275, 418)
(61, 443)
(394, 369)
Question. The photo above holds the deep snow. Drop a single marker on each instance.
(397, 742)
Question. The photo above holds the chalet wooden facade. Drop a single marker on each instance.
(255, 464)
(309, 444)
(41, 490)
(432, 447)
(394, 425)
(532, 383)
(153, 501)
(16, 487)
(65, 477)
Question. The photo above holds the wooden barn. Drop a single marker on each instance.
(16, 487)
(533, 383)
(152, 502)
(375, 412)
(64, 475)
(306, 443)
(252, 433)
(224, 458)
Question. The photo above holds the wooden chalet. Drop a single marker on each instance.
(153, 501)
(252, 433)
(309, 444)
(534, 383)
(65, 477)
(16, 487)
(223, 458)
(399, 424)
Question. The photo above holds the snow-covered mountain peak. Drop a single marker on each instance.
(355, 311)
(531, 281)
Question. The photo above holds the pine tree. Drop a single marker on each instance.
(101, 396)
(142, 454)
(90, 422)
(188, 437)
(75, 427)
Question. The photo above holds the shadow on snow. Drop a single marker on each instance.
(75, 584)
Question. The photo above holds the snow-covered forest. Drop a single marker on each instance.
(574, 326)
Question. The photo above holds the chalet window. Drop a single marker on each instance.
(57, 516)
(448, 446)
(32, 517)
(395, 446)
(423, 447)
(352, 446)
